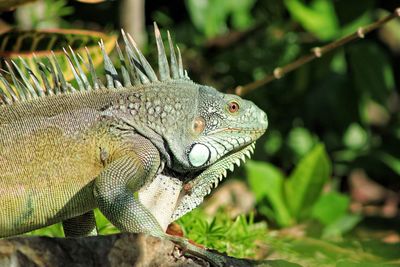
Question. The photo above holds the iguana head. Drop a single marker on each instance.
(223, 132)
(219, 125)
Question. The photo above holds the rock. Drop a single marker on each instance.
(112, 250)
(120, 250)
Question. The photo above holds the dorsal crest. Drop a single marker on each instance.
(135, 69)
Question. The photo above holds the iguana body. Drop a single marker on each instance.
(66, 151)
(49, 157)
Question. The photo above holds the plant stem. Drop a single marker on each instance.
(316, 52)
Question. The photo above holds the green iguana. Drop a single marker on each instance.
(67, 150)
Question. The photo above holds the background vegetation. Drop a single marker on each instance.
(323, 187)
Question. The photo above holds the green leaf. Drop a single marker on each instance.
(341, 226)
(211, 16)
(208, 16)
(360, 21)
(305, 184)
(391, 161)
(339, 64)
(301, 141)
(54, 230)
(355, 136)
(273, 143)
(267, 181)
(103, 225)
(330, 207)
(241, 13)
(46, 14)
(319, 17)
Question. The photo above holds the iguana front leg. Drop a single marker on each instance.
(135, 163)
(114, 187)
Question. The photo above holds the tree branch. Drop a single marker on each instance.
(316, 52)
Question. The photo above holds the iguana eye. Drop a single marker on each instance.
(233, 107)
(198, 125)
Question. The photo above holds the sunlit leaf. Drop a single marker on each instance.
(103, 225)
(301, 141)
(211, 16)
(54, 230)
(355, 136)
(391, 161)
(318, 17)
(273, 143)
(339, 64)
(305, 184)
(266, 181)
(330, 207)
(241, 13)
(332, 210)
(44, 14)
(341, 225)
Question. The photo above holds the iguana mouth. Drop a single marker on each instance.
(241, 130)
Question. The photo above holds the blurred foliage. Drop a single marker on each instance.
(39, 45)
(211, 17)
(328, 118)
(317, 17)
(299, 197)
(46, 14)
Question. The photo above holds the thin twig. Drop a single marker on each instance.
(316, 52)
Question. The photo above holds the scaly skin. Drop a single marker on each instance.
(51, 149)
(65, 151)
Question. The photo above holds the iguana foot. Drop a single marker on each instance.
(220, 260)
(189, 248)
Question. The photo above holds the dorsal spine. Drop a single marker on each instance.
(135, 70)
